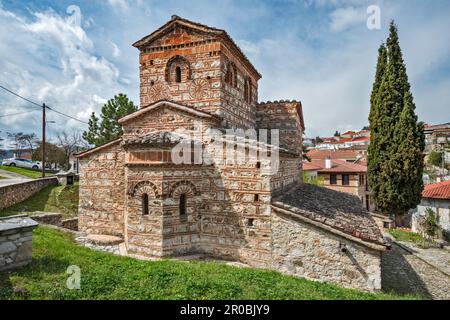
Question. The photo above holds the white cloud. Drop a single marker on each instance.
(344, 18)
(116, 51)
(57, 63)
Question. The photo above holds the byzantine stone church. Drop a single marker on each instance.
(193, 78)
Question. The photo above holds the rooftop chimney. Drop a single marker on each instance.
(328, 164)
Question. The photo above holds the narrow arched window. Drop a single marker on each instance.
(246, 91)
(183, 204)
(145, 210)
(177, 74)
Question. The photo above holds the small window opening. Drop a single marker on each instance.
(145, 210)
(183, 204)
(250, 222)
(178, 74)
(256, 197)
(258, 165)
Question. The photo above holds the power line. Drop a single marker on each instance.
(16, 114)
(66, 115)
(19, 96)
(40, 106)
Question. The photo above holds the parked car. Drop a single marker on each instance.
(22, 163)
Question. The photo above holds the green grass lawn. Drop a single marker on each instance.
(402, 235)
(34, 174)
(50, 199)
(105, 276)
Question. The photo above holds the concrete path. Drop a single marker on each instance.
(11, 178)
(405, 273)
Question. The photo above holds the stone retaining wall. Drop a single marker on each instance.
(47, 218)
(16, 235)
(12, 194)
(55, 219)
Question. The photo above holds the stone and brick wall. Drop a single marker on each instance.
(286, 117)
(13, 194)
(204, 61)
(102, 191)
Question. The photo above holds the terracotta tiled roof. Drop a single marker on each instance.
(337, 166)
(333, 154)
(308, 166)
(340, 211)
(364, 138)
(439, 190)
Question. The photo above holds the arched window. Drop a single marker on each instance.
(145, 209)
(183, 204)
(177, 74)
(231, 75)
(249, 91)
(178, 69)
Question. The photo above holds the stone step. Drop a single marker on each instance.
(104, 240)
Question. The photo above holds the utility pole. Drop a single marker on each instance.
(43, 139)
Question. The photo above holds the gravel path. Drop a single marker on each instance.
(404, 273)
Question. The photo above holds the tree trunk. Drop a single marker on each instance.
(399, 220)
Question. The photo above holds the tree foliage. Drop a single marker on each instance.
(107, 127)
(395, 160)
(54, 155)
(435, 158)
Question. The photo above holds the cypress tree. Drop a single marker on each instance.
(109, 128)
(374, 156)
(395, 161)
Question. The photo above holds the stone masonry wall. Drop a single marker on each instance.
(303, 250)
(16, 234)
(285, 117)
(12, 194)
(102, 192)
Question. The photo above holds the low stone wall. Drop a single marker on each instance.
(48, 218)
(55, 219)
(71, 224)
(307, 251)
(16, 234)
(12, 194)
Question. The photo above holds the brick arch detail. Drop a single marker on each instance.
(177, 61)
(181, 187)
(142, 187)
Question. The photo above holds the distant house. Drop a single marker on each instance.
(341, 154)
(341, 175)
(436, 197)
(348, 140)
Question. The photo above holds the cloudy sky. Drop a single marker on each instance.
(75, 55)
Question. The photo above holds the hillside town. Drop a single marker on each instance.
(200, 186)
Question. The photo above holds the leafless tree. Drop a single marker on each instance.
(23, 141)
(71, 143)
